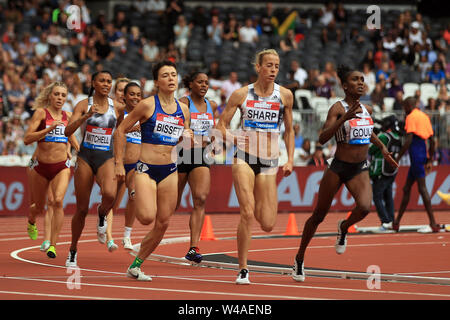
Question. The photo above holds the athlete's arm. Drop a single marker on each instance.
(32, 135)
(79, 116)
(386, 154)
(138, 114)
(408, 140)
(289, 136)
(188, 134)
(235, 100)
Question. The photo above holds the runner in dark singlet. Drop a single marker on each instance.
(352, 125)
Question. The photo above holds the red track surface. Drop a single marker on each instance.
(27, 273)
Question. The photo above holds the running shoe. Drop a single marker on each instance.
(243, 277)
(71, 259)
(32, 231)
(45, 245)
(194, 255)
(127, 243)
(298, 271)
(51, 252)
(341, 241)
(101, 228)
(112, 246)
(137, 274)
(388, 225)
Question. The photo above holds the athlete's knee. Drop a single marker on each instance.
(145, 220)
(199, 200)
(58, 202)
(108, 197)
(162, 224)
(267, 226)
(247, 214)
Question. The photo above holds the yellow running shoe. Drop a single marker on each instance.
(51, 252)
(444, 196)
(32, 231)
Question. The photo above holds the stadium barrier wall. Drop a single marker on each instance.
(296, 193)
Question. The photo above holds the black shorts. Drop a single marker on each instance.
(346, 170)
(257, 164)
(189, 159)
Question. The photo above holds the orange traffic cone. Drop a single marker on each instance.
(352, 228)
(207, 230)
(291, 229)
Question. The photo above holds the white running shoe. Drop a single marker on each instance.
(341, 241)
(243, 277)
(298, 272)
(71, 261)
(387, 226)
(127, 243)
(137, 274)
(112, 246)
(45, 245)
(101, 230)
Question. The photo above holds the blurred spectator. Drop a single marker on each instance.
(432, 104)
(331, 77)
(113, 35)
(436, 74)
(41, 47)
(304, 153)
(214, 76)
(423, 67)
(247, 33)
(288, 43)
(220, 106)
(398, 102)
(340, 14)
(231, 31)
(215, 30)
(298, 138)
(120, 20)
(369, 78)
(292, 85)
(158, 6)
(54, 37)
(419, 103)
(134, 38)
(326, 14)
(331, 33)
(323, 88)
(415, 35)
(102, 48)
(383, 72)
(150, 50)
(182, 33)
(446, 34)
(443, 92)
(231, 84)
(378, 94)
(395, 87)
(300, 74)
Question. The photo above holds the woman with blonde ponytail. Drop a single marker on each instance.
(51, 167)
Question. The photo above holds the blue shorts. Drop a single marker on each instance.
(418, 156)
(156, 172)
(129, 166)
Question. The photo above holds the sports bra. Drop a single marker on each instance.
(356, 130)
(99, 128)
(57, 134)
(262, 113)
(161, 127)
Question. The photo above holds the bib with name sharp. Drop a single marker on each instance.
(261, 114)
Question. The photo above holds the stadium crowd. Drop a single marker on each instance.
(39, 48)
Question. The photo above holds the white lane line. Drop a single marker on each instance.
(59, 295)
(174, 290)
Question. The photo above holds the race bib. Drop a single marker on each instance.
(97, 138)
(201, 123)
(360, 130)
(168, 129)
(134, 136)
(56, 135)
(261, 114)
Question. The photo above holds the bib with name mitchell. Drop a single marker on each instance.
(100, 128)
